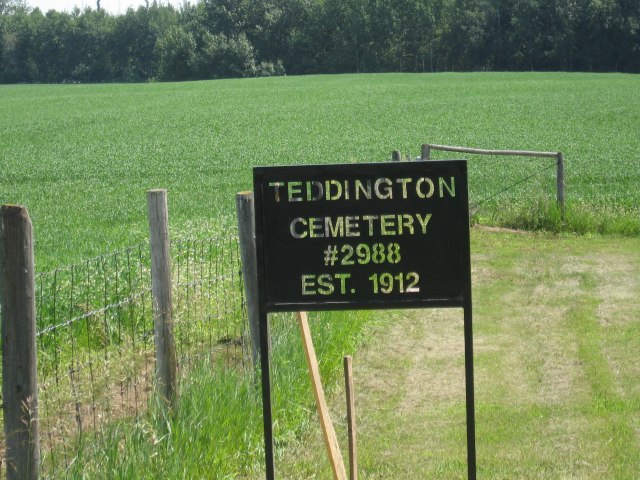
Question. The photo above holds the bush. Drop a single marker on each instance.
(223, 57)
(176, 53)
(269, 69)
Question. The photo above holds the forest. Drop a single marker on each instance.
(246, 38)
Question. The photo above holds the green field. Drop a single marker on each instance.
(81, 157)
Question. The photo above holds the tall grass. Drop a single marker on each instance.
(216, 429)
(544, 214)
(95, 335)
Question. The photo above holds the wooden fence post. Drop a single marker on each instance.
(425, 153)
(396, 156)
(426, 150)
(19, 363)
(166, 368)
(247, 236)
(560, 184)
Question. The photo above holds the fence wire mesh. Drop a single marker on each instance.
(510, 190)
(95, 348)
(95, 337)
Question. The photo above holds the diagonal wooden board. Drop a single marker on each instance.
(330, 439)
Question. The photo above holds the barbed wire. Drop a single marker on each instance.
(92, 313)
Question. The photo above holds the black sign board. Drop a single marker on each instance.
(344, 237)
(363, 236)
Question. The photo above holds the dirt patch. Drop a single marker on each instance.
(487, 228)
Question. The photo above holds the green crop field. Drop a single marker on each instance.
(81, 157)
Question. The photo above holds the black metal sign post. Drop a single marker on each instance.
(363, 236)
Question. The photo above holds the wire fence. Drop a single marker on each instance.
(95, 333)
(515, 191)
(496, 192)
(95, 336)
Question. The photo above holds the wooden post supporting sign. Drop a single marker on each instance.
(328, 432)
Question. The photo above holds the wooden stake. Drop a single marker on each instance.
(330, 439)
(351, 418)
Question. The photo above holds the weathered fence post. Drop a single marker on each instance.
(166, 368)
(560, 184)
(396, 156)
(426, 152)
(247, 236)
(19, 364)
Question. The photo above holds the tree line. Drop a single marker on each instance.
(241, 38)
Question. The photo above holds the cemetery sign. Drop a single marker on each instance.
(363, 236)
(344, 237)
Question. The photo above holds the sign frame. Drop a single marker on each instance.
(271, 300)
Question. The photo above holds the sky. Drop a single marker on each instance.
(111, 6)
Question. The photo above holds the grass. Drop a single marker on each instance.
(216, 429)
(555, 333)
(81, 157)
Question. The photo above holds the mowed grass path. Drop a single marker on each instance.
(81, 157)
(557, 393)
